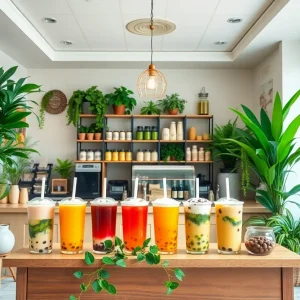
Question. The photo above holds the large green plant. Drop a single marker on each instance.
(122, 96)
(272, 151)
(75, 107)
(172, 102)
(64, 168)
(175, 150)
(151, 108)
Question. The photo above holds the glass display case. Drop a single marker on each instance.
(180, 181)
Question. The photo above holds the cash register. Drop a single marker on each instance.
(116, 188)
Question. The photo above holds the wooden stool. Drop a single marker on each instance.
(13, 275)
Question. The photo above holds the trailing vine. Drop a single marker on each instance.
(44, 103)
(75, 107)
(245, 172)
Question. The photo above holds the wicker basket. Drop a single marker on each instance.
(297, 277)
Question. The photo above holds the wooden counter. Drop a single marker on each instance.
(16, 216)
(208, 277)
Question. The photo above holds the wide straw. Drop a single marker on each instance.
(74, 188)
(136, 188)
(43, 188)
(197, 187)
(165, 187)
(227, 188)
(104, 188)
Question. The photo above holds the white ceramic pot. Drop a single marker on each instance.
(23, 195)
(14, 193)
(234, 185)
(7, 239)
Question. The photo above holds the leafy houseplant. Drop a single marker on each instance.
(64, 168)
(82, 131)
(75, 107)
(121, 100)
(98, 279)
(172, 104)
(43, 106)
(151, 108)
(91, 132)
(172, 152)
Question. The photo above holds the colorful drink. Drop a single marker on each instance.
(197, 225)
(104, 213)
(40, 225)
(134, 215)
(165, 212)
(229, 217)
(71, 220)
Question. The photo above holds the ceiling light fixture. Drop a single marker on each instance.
(49, 20)
(219, 43)
(67, 43)
(151, 83)
(234, 20)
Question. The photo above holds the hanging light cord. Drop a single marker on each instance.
(151, 28)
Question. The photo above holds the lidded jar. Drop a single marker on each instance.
(140, 155)
(194, 153)
(154, 133)
(139, 133)
(147, 155)
(173, 131)
(203, 104)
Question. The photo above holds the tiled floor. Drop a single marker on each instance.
(8, 290)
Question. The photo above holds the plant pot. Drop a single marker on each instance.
(90, 136)
(234, 183)
(173, 111)
(97, 136)
(7, 239)
(23, 196)
(119, 109)
(14, 193)
(81, 136)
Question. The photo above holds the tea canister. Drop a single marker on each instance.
(90, 155)
(154, 155)
(108, 135)
(203, 104)
(116, 135)
(147, 133)
(122, 135)
(115, 155)
(97, 155)
(154, 133)
(140, 155)
(147, 155)
(82, 155)
(195, 153)
(128, 156)
(128, 135)
(201, 154)
(139, 133)
(122, 155)
(108, 155)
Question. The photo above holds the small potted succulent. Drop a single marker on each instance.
(82, 130)
(91, 132)
(65, 169)
(97, 131)
(172, 104)
(151, 108)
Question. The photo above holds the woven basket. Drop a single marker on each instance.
(296, 276)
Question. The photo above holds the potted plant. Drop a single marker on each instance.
(75, 107)
(151, 108)
(172, 104)
(90, 133)
(97, 132)
(64, 168)
(4, 187)
(172, 152)
(82, 130)
(121, 101)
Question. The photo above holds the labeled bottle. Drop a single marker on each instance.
(201, 154)
(203, 104)
(147, 155)
(207, 156)
(188, 154)
(166, 134)
(116, 135)
(179, 131)
(140, 155)
(115, 155)
(139, 133)
(82, 155)
(174, 190)
(154, 155)
(128, 135)
(173, 131)
(154, 133)
(180, 191)
(108, 155)
(185, 193)
(128, 156)
(97, 155)
(122, 135)
(122, 155)
(147, 133)
(194, 153)
(108, 135)
(90, 155)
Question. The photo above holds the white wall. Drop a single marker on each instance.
(6, 62)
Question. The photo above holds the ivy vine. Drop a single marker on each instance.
(44, 103)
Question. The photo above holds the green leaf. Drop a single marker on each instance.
(96, 286)
(153, 249)
(250, 115)
(5, 76)
(89, 258)
(140, 257)
(277, 118)
(103, 274)
(121, 263)
(149, 258)
(293, 191)
(72, 297)
(112, 289)
(266, 124)
(78, 274)
(165, 263)
(118, 241)
(107, 260)
(103, 284)
(108, 244)
(179, 274)
(172, 284)
(156, 259)
(146, 243)
(288, 105)
(169, 291)
(83, 287)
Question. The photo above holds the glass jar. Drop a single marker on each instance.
(194, 153)
(82, 155)
(122, 155)
(108, 155)
(128, 156)
(115, 155)
(140, 155)
(147, 155)
(203, 104)
(147, 133)
(90, 155)
(207, 156)
(166, 134)
(260, 240)
(173, 131)
(154, 155)
(97, 155)
(139, 133)
(154, 133)
(128, 135)
(201, 154)
(108, 135)
(188, 154)
(122, 135)
(116, 136)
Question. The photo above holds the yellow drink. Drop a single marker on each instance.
(166, 226)
(71, 220)
(229, 218)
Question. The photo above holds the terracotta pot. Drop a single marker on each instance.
(119, 110)
(173, 111)
(14, 193)
(81, 136)
(90, 136)
(23, 196)
(97, 136)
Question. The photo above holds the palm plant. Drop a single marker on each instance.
(151, 108)
(64, 168)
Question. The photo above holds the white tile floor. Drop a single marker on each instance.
(8, 290)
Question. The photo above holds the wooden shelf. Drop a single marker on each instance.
(116, 162)
(144, 162)
(91, 141)
(169, 141)
(88, 161)
(199, 116)
(145, 116)
(197, 141)
(112, 116)
(199, 162)
(87, 116)
(112, 141)
(145, 141)
(172, 162)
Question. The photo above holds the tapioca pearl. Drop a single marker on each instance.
(41, 251)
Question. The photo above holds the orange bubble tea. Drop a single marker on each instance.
(71, 220)
(165, 212)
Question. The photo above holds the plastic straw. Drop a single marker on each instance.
(43, 188)
(165, 188)
(74, 188)
(136, 187)
(197, 188)
(104, 188)
(227, 188)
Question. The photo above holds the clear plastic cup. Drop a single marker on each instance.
(166, 212)
(104, 214)
(71, 220)
(197, 225)
(40, 225)
(229, 218)
(134, 215)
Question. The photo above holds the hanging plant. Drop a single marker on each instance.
(43, 106)
(75, 107)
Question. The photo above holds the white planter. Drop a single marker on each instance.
(234, 185)
(14, 194)
(7, 239)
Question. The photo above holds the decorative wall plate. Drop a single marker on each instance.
(57, 102)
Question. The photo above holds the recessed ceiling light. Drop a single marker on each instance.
(67, 43)
(219, 43)
(234, 20)
(49, 20)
